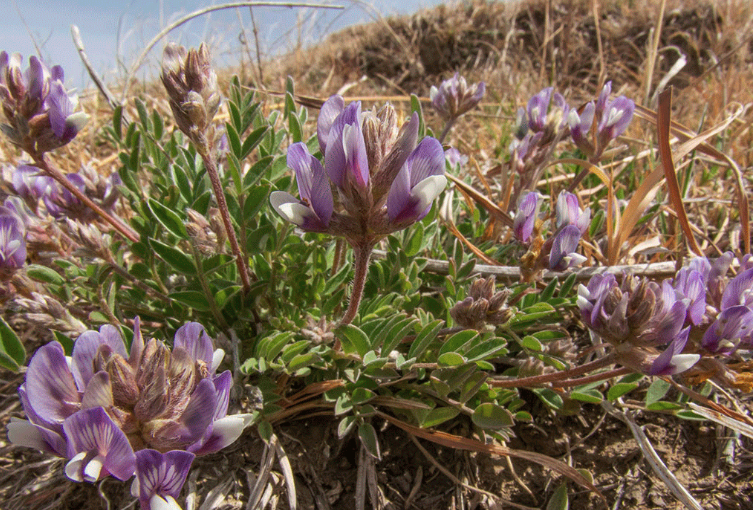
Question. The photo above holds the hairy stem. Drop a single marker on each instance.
(538, 380)
(361, 256)
(219, 194)
(446, 129)
(56, 174)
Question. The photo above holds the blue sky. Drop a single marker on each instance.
(119, 29)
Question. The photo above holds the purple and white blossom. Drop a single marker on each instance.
(103, 406)
(454, 96)
(41, 113)
(160, 477)
(568, 212)
(564, 245)
(383, 178)
(12, 236)
(638, 317)
(525, 217)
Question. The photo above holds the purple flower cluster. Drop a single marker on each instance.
(571, 224)
(612, 119)
(33, 186)
(12, 236)
(40, 112)
(638, 317)
(454, 97)
(385, 181)
(147, 412)
(701, 307)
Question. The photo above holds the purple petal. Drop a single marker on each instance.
(356, 157)
(50, 386)
(335, 160)
(565, 243)
(537, 109)
(739, 290)
(193, 338)
(199, 412)
(525, 218)
(601, 102)
(224, 432)
(313, 184)
(85, 350)
(12, 242)
(222, 385)
(60, 106)
(331, 108)
(98, 392)
(93, 433)
(292, 210)
(161, 474)
(37, 77)
(730, 327)
(671, 361)
(137, 344)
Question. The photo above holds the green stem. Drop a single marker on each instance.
(207, 291)
(219, 194)
(361, 256)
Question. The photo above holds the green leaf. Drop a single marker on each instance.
(233, 139)
(491, 416)
(567, 285)
(294, 125)
(252, 141)
(168, 218)
(117, 121)
(65, 341)
(590, 396)
(438, 416)
(12, 352)
(255, 200)
(143, 115)
(343, 404)
(656, 391)
(620, 389)
(548, 291)
(192, 298)
(303, 360)
(559, 499)
(451, 359)
(353, 340)
(549, 397)
(458, 340)
(265, 431)
(361, 396)
(173, 256)
(413, 245)
(424, 338)
(664, 406)
(44, 274)
(345, 426)
(368, 437)
(415, 106)
(532, 343)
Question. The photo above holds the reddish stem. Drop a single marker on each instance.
(538, 380)
(56, 174)
(361, 256)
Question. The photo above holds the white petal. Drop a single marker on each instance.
(428, 189)
(163, 503)
(135, 487)
(217, 358)
(78, 119)
(94, 468)
(289, 208)
(73, 468)
(25, 433)
(682, 362)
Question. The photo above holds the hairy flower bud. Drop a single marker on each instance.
(482, 306)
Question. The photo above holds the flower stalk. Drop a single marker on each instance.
(361, 257)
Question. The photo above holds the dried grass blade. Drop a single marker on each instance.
(665, 152)
(657, 465)
(480, 254)
(479, 197)
(722, 419)
(287, 473)
(468, 444)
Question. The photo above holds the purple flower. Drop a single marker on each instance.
(454, 158)
(732, 327)
(160, 477)
(525, 218)
(564, 244)
(314, 210)
(103, 404)
(690, 286)
(636, 317)
(12, 237)
(537, 108)
(568, 212)
(40, 112)
(580, 125)
(384, 180)
(613, 116)
(454, 97)
(418, 183)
